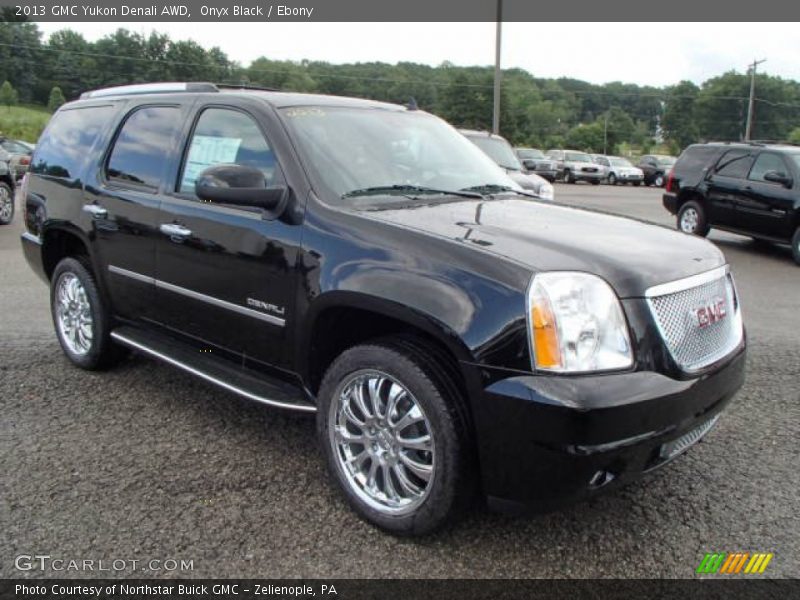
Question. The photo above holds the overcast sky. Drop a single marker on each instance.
(644, 53)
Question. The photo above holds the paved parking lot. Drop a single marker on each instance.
(145, 462)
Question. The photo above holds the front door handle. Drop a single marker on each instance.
(97, 211)
(175, 231)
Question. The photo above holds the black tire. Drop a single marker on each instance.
(6, 203)
(637, 183)
(692, 212)
(796, 245)
(595, 181)
(451, 488)
(658, 180)
(612, 179)
(101, 352)
(569, 177)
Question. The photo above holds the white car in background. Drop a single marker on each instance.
(619, 170)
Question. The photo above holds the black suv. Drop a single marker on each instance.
(365, 262)
(747, 188)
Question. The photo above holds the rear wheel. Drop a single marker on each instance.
(81, 318)
(393, 437)
(796, 246)
(6, 204)
(692, 219)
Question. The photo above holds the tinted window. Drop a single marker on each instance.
(765, 163)
(696, 158)
(143, 145)
(15, 148)
(224, 136)
(734, 163)
(67, 140)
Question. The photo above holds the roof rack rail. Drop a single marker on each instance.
(775, 142)
(246, 86)
(165, 87)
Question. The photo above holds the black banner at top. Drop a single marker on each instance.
(398, 10)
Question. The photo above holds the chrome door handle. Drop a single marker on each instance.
(97, 211)
(174, 230)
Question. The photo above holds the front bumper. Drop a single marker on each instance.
(589, 175)
(549, 174)
(629, 177)
(545, 441)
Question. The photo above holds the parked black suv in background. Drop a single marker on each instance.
(656, 168)
(747, 188)
(365, 262)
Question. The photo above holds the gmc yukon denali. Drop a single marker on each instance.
(456, 338)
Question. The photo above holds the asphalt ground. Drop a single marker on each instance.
(145, 462)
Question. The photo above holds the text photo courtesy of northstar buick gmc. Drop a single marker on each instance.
(455, 338)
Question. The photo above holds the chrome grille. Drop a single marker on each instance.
(695, 344)
(682, 444)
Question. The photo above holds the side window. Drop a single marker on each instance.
(223, 136)
(765, 163)
(734, 163)
(66, 142)
(143, 146)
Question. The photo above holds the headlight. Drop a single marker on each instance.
(576, 324)
(546, 192)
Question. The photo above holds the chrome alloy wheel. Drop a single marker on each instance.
(383, 442)
(689, 220)
(6, 204)
(74, 314)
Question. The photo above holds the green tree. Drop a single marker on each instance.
(588, 138)
(794, 136)
(679, 122)
(56, 99)
(8, 95)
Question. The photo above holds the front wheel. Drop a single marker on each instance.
(393, 437)
(796, 246)
(6, 204)
(569, 177)
(658, 180)
(81, 318)
(692, 219)
(612, 179)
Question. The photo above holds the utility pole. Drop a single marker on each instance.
(751, 106)
(497, 73)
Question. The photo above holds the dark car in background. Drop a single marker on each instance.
(747, 188)
(19, 155)
(656, 168)
(8, 182)
(364, 262)
(535, 161)
(502, 153)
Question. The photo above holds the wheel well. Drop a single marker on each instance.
(8, 180)
(340, 328)
(59, 244)
(687, 196)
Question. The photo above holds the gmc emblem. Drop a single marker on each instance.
(710, 313)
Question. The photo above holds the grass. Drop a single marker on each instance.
(23, 122)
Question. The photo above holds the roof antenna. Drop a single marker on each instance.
(412, 104)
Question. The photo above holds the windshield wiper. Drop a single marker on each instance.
(405, 190)
(496, 188)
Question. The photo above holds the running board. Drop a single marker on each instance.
(239, 380)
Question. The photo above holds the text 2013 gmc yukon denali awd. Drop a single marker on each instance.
(366, 262)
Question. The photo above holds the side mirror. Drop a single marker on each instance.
(778, 177)
(529, 164)
(239, 185)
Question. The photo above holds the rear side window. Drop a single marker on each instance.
(143, 145)
(66, 142)
(696, 158)
(735, 163)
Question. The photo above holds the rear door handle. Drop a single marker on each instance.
(173, 230)
(97, 211)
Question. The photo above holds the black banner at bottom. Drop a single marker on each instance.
(416, 589)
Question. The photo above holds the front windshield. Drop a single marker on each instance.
(499, 150)
(578, 157)
(620, 162)
(529, 153)
(350, 149)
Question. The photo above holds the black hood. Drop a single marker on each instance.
(632, 256)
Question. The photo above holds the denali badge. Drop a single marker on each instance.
(279, 310)
(710, 313)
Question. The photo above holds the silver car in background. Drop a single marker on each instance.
(574, 166)
(501, 152)
(619, 170)
(535, 161)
